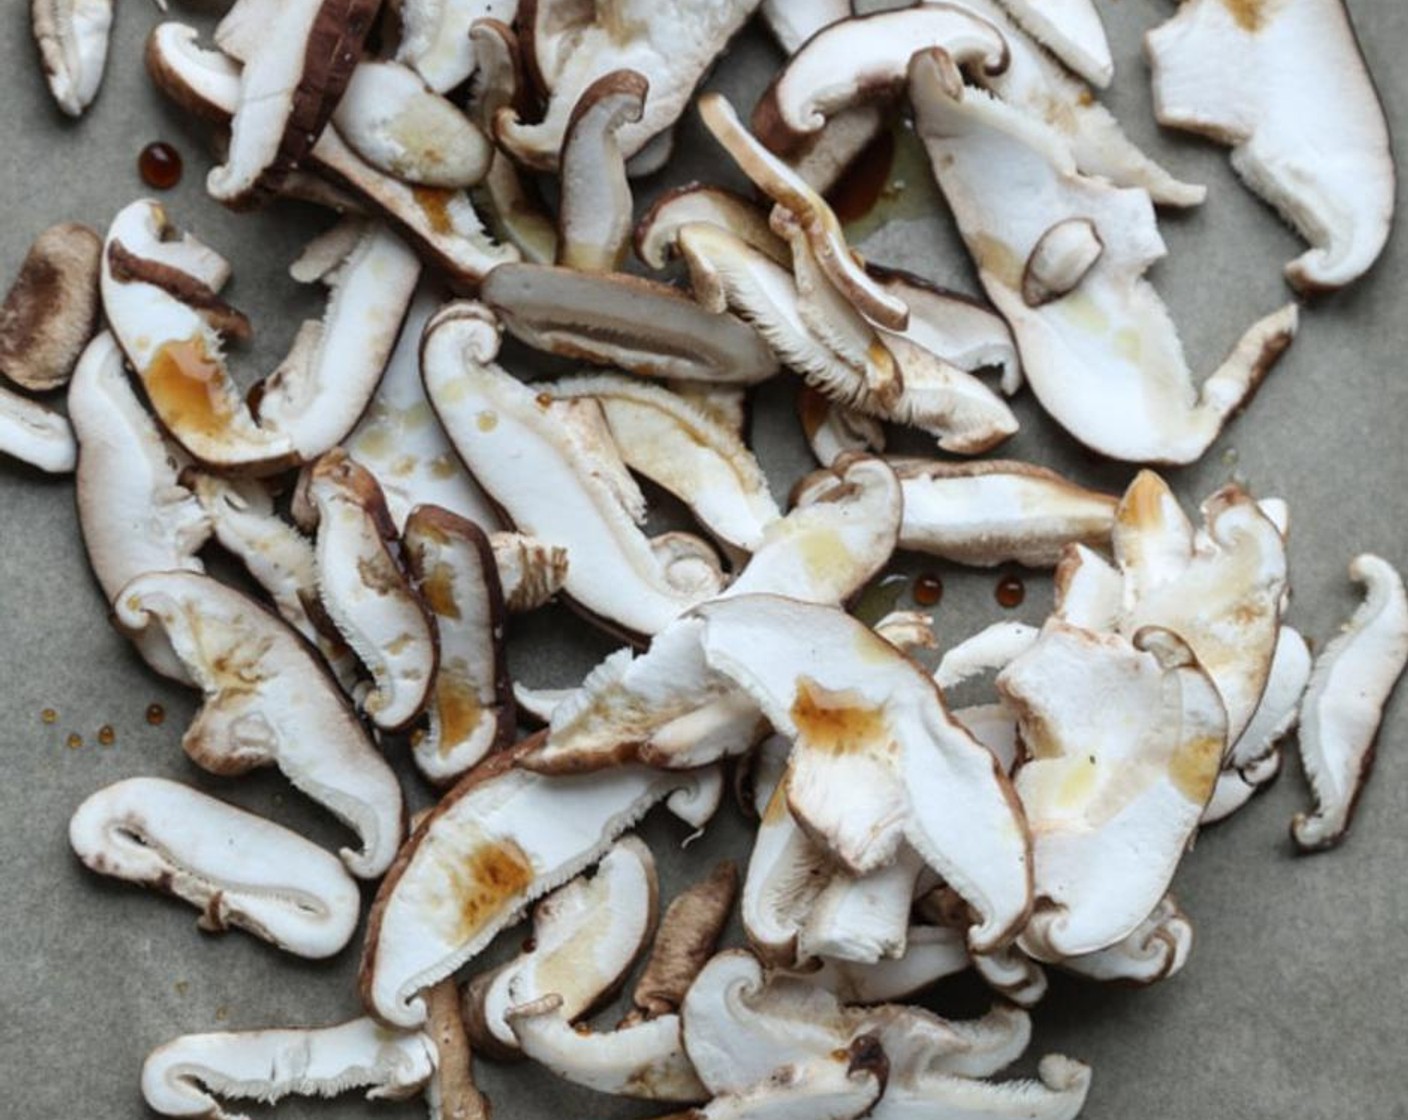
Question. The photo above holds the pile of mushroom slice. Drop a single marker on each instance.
(409, 482)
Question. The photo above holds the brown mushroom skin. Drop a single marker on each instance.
(51, 311)
(452, 1093)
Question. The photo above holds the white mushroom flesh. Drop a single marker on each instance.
(435, 37)
(1157, 949)
(1072, 31)
(72, 36)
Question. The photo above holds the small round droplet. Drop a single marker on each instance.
(530, 944)
(74, 741)
(48, 715)
(106, 735)
(1010, 592)
(160, 166)
(928, 590)
(156, 715)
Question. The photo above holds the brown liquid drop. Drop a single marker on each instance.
(1010, 592)
(156, 715)
(74, 741)
(858, 190)
(106, 735)
(48, 715)
(928, 590)
(160, 166)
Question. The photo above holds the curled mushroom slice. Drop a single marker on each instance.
(435, 37)
(501, 838)
(672, 44)
(867, 57)
(1125, 744)
(869, 729)
(586, 935)
(815, 218)
(1058, 1093)
(1287, 88)
(268, 702)
(238, 869)
(1344, 702)
(997, 511)
(594, 218)
(573, 496)
(393, 121)
(657, 232)
(369, 598)
(625, 321)
(677, 447)
(72, 36)
(833, 430)
(133, 511)
(1105, 361)
(1072, 31)
(530, 572)
(688, 935)
(278, 557)
(1157, 949)
(1060, 260)
(471, 709)
(184, 1076)
(51, 311)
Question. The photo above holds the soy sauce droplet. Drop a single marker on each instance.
(106, 735)
(156, 714)
(75, 741)
(160, 166)
(48, 715)
(1010, 592)
(928, 590)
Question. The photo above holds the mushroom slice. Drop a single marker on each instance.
(815, 218)
(672, 44)
(51, 311)
(1220, 589)
(133, 511)
(573, 496)
(869, 729)
(863, 918)
(586, 935)
(864, 58)
(35, 434)
(1058, 1094)
(1105, 361)
(72, 36)
(183, 1077)
(844, 1085)
(931, 954)
(1287, 88)
(236, 868)
(594, 218)
(369, 598)
(393, 121)
(677, 447)
(471, 706)
(452, 1093)
(269, 702)
(997, 511)
(1125, 744)
(299, 59)
(644, 1060)
(442, 225)
(639, 325)
(833, 430)
(993, 648)
(435, 37)
(1157, 949)
(657, 233)
(530, 572)
(1349, 686)
(1062, 257)
(501, 838)
(1072, 31)
(401, 443)
(278, 557)
(910, 631)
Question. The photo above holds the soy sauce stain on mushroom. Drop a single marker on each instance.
(483, 882)
(459, 710)
(1194, 768)
(837, 722)
(183, 383)
(928, 590)
(1010, 592)
(855, 194)
(438, 590)
(160, 166)
(1250, 14)
(434, 203)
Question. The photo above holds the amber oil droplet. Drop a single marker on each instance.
(156, 715)
(48, 715)
(74, 741)
(1010, 592)
(106, 735)
(928, 590)
(861, 185)
(160, 166)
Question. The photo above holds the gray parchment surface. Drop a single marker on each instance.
(1293, 1005)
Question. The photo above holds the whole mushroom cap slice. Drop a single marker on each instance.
(72, 36)
(1125, 743)
(134, 513)
(577, 496)
(1105, 361)
(501, 838)
(1351, 682)
(635, 324)
(1276, 83)
(435, 37)
(471, 708)
(269, 702)
(1072, 30)
(392, 120)
(184, 1076)
(586, 936)
(368, 596)
(238, 869)
(870, 729)
(51, 311)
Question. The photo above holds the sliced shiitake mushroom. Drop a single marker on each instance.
(51, 311)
